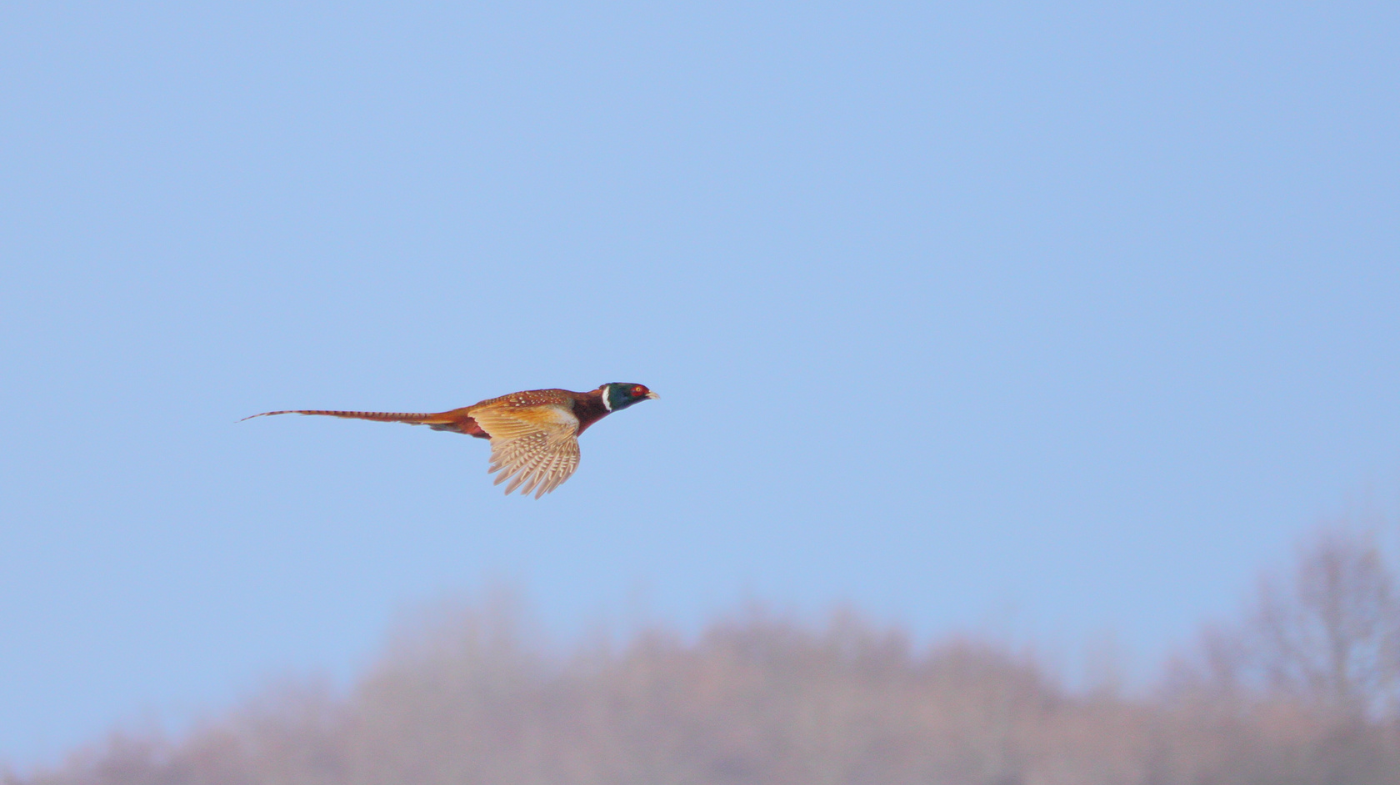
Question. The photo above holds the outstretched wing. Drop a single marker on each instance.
(535, 446)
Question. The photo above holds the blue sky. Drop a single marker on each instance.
(1062, 320)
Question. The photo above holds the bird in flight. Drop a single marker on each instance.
(534, 434)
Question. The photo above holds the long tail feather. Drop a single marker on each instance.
(412, 419)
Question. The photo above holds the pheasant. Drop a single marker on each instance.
(534, 434)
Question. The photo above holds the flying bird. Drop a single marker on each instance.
(534, 434)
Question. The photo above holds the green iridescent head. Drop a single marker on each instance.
(619, 395)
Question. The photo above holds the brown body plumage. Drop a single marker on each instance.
(534, 434)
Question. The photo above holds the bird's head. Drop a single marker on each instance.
(619, 395)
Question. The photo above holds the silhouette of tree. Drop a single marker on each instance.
(1329, 635)
(1299, 691)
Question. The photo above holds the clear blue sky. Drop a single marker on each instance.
(1059, 319)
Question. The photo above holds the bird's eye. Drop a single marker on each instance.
(639, 391)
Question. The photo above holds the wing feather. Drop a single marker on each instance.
(535, 447)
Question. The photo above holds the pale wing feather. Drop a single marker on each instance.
(534, 447)
(553, 467)
(556, 468)
(540, 464)
(531, 475)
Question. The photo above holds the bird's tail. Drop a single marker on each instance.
(411, 419)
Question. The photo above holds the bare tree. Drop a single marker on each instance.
(1328, 635)
(1300, 691)
(1331, 634)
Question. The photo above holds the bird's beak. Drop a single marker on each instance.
(651, 394)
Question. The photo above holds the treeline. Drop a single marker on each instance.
(1304, 687)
